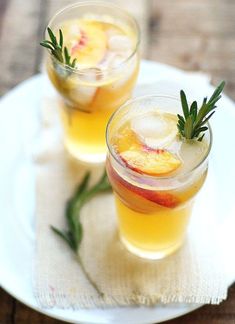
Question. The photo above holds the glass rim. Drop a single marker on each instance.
(82, 71)
(159, 178)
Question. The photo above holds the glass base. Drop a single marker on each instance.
(151, 255)
(94, 158)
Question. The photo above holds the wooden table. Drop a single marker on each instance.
(190, 34)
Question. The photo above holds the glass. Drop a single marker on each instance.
(104, 76)
(153, 210)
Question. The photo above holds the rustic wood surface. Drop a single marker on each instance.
(190, 34)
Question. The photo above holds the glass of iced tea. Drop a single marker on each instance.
(102, 40)
(155, 174)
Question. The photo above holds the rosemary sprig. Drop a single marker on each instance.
(57, 49)
(72, 236)
(192, 124)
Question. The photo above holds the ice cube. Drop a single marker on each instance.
(119, 44)
(90, 75)
(155, 130)
(74, 30)
(108, 60)
(113, 32)
(84, 94)
(124, 71)
(149, 126)
(117, 60)
(192, 152)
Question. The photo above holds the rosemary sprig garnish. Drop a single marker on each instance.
(72, 236)
(192, 124)
(57, 49)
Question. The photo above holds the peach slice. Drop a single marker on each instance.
(126, 140)
(162, 198)
(86, 41)
(91, 44)
(156, 162)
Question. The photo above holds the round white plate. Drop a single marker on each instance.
(19, 123)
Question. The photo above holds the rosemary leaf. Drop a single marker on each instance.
(63, 235)
(184, 103)
(52, 36)
(188, 127)
(57, 50)
(46, 45)
(61, 38)
(74, 232)
(193, 110)
(191, 125)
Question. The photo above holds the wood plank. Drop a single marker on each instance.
(18, 34)
(3, 6)
(199, 54)
(216, 314)
(189, 17)
(42, 19)
(195, 35)
(185, 57)
(6, 309)
(19, 27)
(24, 314)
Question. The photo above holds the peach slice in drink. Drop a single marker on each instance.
(87, 43)
(86, 40)
(162, 198)
(156, 162)
(142, 158)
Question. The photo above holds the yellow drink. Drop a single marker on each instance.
(158, 231)
(85, 132)
(104, 41)
(155, 176)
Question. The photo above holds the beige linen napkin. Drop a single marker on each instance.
(195, 274)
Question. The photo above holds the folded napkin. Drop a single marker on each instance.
(197, 273)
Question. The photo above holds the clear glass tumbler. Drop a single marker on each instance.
(153, 210)
(105, 40)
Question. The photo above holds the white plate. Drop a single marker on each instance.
(18, 126)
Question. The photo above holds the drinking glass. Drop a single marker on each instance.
(153, 211)
(91, 94)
